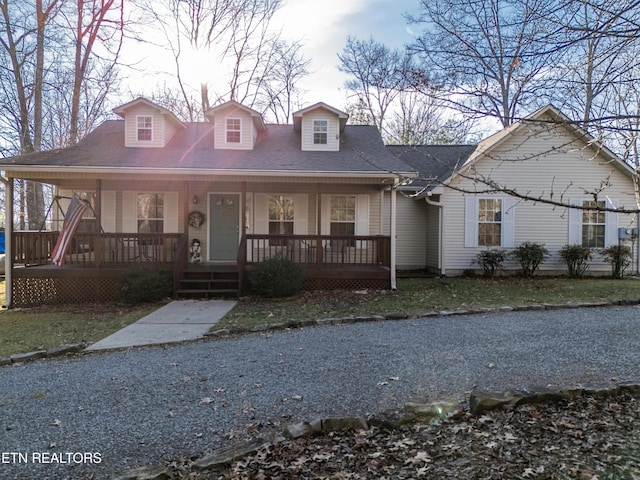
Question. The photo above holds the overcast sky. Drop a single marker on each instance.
(323, 27)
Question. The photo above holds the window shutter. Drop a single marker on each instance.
(170, 212)
(108, 210)
(300, 215)
(261, 213)
(362, 215)
(130, 211)
(470, 222)
(508, 222)
(325, 221)
(611, 225)
(575, 223)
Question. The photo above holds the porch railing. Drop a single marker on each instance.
(95, 250)
(317, 251)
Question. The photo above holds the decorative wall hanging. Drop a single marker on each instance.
(196, 219)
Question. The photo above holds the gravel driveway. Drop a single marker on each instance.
(102, 414)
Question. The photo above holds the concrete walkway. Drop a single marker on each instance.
(175, 322)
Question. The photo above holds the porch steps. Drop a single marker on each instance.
(209, 281)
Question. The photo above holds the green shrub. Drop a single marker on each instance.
(619, 257)
(140, 284)
(577, 259)
(530, 255)
(491, 260)
(277, 277)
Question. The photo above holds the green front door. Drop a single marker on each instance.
(224, 227)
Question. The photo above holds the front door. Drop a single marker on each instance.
(224, 227)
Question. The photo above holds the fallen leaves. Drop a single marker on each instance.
(530, 442)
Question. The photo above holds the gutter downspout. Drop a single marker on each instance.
(393, 222)
(8, 233)
(441, 245)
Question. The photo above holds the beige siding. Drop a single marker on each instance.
(247, 135)
(411, 233)
(159, 136)
(333, 131)
(432, 253)
(544, 162)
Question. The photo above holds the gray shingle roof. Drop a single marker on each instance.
(277, 149)
(434, 163)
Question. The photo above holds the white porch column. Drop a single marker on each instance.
(8, 233)
(393, 234)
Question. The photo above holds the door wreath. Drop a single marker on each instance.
(196, 219)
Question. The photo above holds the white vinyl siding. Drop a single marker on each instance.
(247, 130)
(308, 132)
(161, 133)
(553, 164)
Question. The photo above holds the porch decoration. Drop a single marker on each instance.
(195, 251)
(71, 220)
(196, 219)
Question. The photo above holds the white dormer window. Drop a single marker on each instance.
(145, 128)
(320, 128)
(233, 130)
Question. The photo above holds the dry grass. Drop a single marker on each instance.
(418, 296)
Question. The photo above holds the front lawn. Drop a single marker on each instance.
(28, 330)
(420, 295)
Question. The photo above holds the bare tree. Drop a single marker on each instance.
(486, 55)
(232, 37)
(279, 94)
(378, 73)
(418, 119)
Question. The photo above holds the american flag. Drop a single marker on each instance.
(71, 220)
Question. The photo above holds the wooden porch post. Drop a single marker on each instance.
(319, 249)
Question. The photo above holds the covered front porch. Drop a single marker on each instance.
(95, 260)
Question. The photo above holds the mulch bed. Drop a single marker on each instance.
(582, 438)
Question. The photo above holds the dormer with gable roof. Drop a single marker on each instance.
(236, 127)
(320, 127)
(146, 124)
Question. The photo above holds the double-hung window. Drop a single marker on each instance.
(144, 124)
(320, 130)
(150, 212)
(593, 224)
(280, 215)
(489, 221)
(343, 217)
(234, 126)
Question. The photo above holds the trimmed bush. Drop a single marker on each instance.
(277, 277)
(140, 284)
(619, 257)
(491, 260)
(530, 255)
(577, 259)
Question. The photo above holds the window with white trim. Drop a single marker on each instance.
(489, 222)
(593, 224)
(343, 217)
(320, 130)
(281, 215)
(234, 128)
(144, 125)
(150, 212)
